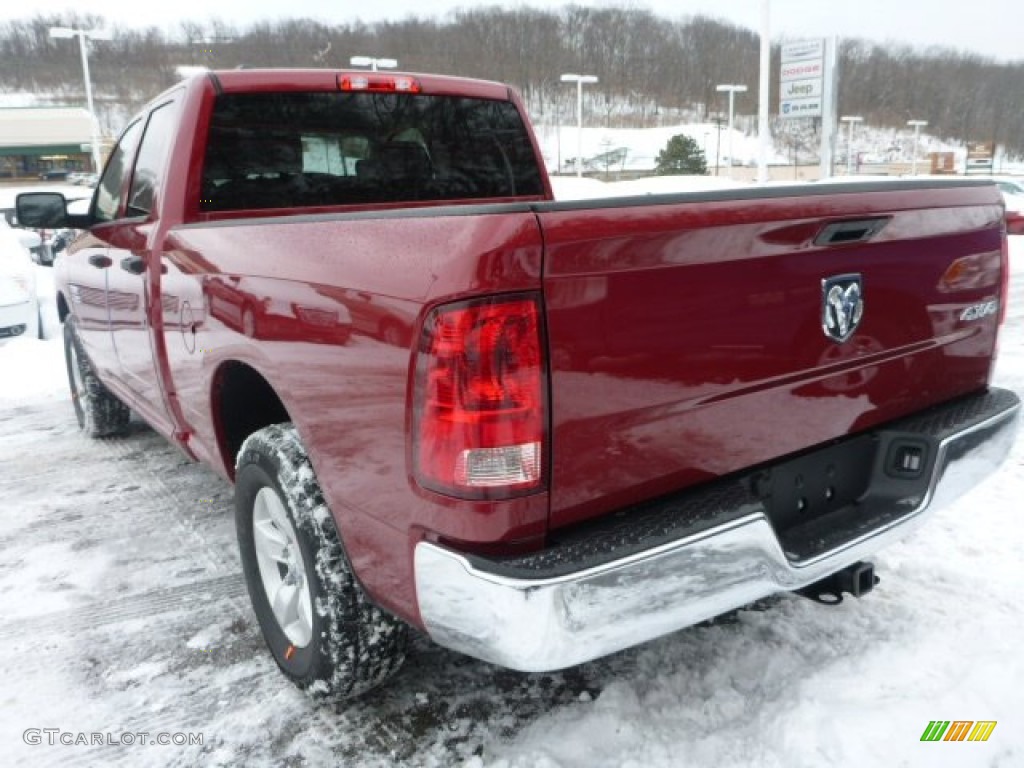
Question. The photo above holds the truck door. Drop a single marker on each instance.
(131, 285)
(88, 264)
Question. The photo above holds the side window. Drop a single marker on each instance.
(149, 165)
(108, 193)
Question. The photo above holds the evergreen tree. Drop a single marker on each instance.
(681, 156)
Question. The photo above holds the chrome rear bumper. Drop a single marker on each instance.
(534, 621)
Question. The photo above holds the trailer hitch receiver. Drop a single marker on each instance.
(857, 580)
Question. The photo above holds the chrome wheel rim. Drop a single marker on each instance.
(282, 568)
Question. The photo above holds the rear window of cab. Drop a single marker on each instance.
(285, 150)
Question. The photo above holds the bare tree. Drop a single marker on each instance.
(648, 65)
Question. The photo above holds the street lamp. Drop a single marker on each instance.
(917, 125)
(82, 35)
(373, 63)
(579, 80)
(717, 120)
(850, 120)
(732, 90)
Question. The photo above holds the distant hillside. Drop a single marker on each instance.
(649, 67)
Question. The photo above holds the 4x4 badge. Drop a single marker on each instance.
(842, 306)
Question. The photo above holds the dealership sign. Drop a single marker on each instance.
(802, 69)
(980, 155)
(802, 79)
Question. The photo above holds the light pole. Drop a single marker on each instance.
(917, 125)
(764, 138)
(718, 140)
(82, 34)
(579, 80)
(373, 62)
(558, 136)
(850, 120)
(732, 90)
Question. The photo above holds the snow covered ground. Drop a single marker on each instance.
(125, 613)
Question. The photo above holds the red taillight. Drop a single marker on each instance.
(479, 411)
(379, 83)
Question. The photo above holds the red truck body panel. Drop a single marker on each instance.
(349, 399)
(687, 339)
(684, 334)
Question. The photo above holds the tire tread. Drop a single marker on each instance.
(101, 413)
(362, 645)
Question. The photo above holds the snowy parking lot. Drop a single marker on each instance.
(127, 622)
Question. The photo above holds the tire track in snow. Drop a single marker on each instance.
(165, 497)
(155, 496)
(141, 605)
(134, 504)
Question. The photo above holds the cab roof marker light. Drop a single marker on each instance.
(407, 84)
(379, 83)
(356, 83)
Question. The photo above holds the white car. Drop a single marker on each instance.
(1014, 213)
(1010, 185)
(19, 301)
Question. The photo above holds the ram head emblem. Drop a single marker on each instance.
(842, 306)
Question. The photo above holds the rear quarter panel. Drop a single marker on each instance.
(347, 395)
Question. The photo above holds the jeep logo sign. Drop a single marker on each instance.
(801, 89)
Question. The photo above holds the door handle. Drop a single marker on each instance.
(134, 264)
(856, 231)
(100, 261)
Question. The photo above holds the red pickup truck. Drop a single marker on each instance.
(538, 431)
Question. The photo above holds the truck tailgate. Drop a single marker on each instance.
(691, 336)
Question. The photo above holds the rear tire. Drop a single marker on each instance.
(324, 633)
(99, 413)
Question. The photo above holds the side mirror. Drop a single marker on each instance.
(42, 210)
(51, 210)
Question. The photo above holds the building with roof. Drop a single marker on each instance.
(44, 141)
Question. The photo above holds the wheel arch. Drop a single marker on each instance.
(242, 401)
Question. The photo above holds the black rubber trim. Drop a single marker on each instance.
(889, 500)
(421, 212)
(644, 527)
(630, 531)
(733, 194)
(217, 87)
(943, 421)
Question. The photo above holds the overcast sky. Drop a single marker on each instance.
(989, 27)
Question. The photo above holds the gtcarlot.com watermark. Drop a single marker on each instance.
(55, 736)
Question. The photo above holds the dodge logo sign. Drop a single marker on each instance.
(842, 305)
